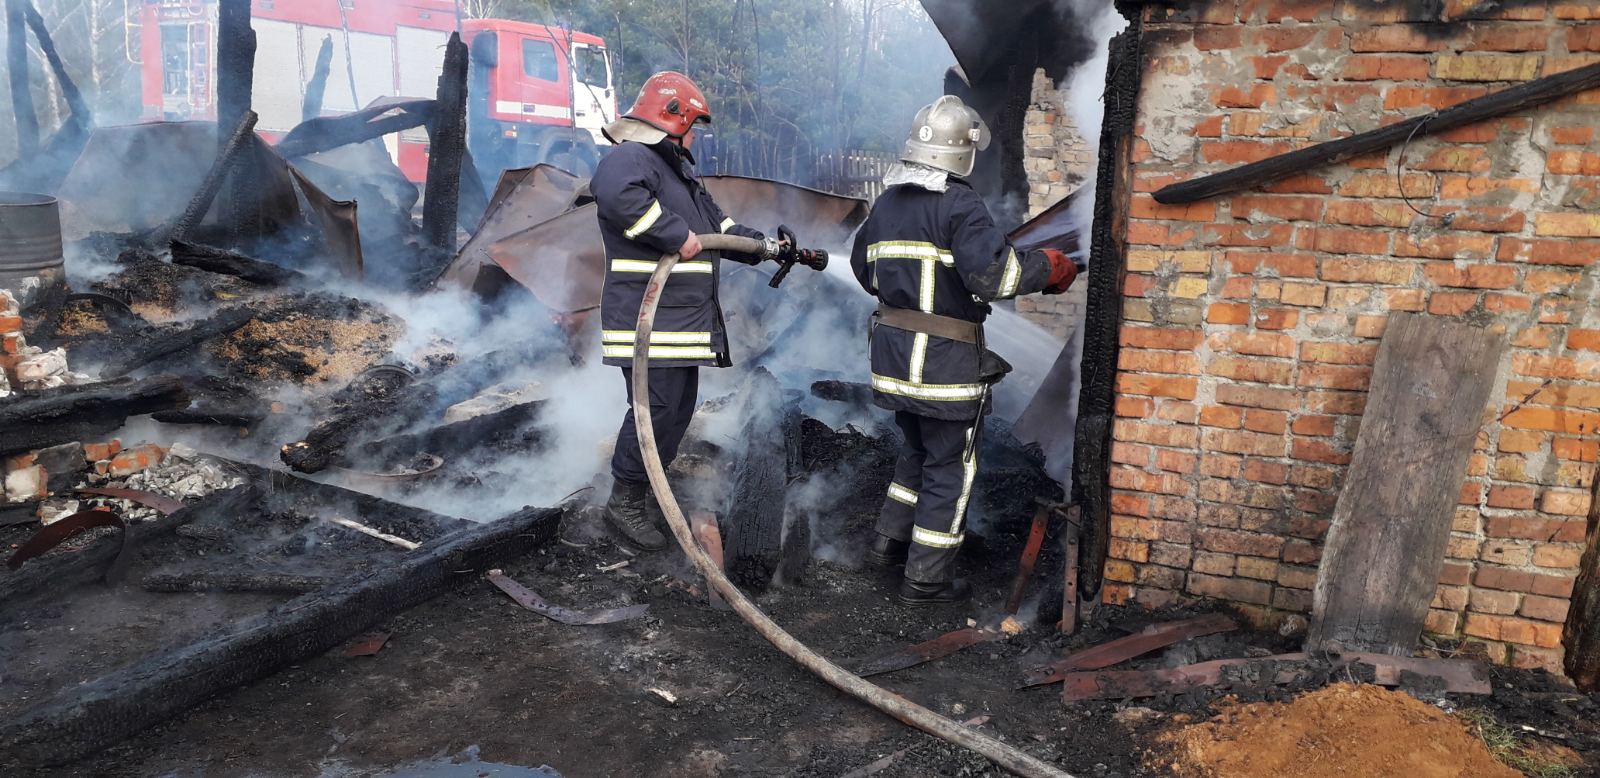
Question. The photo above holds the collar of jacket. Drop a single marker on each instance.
(678, 157)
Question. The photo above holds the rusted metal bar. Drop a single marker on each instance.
(1030, 558)
(710, 538)
(926, 651)
(1072, 532)
(533, 602)
(1151, 638)
(1127, 684)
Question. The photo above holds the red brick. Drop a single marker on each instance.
(1513, 630)
(1341, 403)
(1271, 422)
(1531, 527)
(1161, 338)
(1471, 276)
(1231, 589)
(1370, 213)
(1338, 353)
(1515, 497)
(1487, 131)
(1124, 477)
(1503, 37)
(1136, 505)
(1125, 453)
(1335, 376)
(1177, 461)
(1544, 608)
(1303, 184)
(1575, 450)
(1561, 557)
(1144, 206)
(1287, 208)
(1140, 361)
(1395, 38)
(1256, 235)
(1256, 370)
(1174, 435)
(1181, 412)
(1404, 97)
(1313, 426)
(1371, 326)
(1573, 136)
(1562, 503)
(1368, 271)
(1236, 442)
(1573, 163)
(1258, 397)
(1221, 416)
(1218, 37)
(1491, 219)
(1309, 450)
(1276, 318)
(1335, 240)
(1474, 187)
(1228, 313)
(1390, 68)
(1261, 344)
(1157, 386)
(1451, 303)
(1241, 151)
(1493, 602)
(1266, 472)
(10, 324)
(1553, 420)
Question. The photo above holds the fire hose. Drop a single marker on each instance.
(908, 712)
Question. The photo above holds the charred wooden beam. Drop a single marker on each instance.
(212, 183)
(64, 569)
(164, 344)
(1581, 636)
(1391, 526)
(90, 716)
(324, 133)
(1518, 98)
(1151, 638)
(754, 513)
(233, 581)
(69, 88)
(1220, 674)
(231, 263)
(311, 107)
(17, 68)
(34, 420)
(447, 145)
(236, 62)
(1091, 464)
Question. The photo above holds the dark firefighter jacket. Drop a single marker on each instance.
(649, 200)
(938, 253)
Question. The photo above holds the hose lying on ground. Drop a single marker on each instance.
(1012, 759)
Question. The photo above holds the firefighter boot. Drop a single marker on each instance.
(917, 594)
(887, 552)
(627, 515)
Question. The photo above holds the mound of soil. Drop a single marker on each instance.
(1342, 731)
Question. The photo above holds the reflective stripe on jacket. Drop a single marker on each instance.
(649, 201)
(937, 252)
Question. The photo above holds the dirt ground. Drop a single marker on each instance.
(469, 684)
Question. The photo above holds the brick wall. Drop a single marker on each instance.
(1058, 163)
(1252, 320)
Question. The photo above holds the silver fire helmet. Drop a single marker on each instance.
(947, 135)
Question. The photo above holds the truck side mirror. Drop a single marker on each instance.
(485, 50)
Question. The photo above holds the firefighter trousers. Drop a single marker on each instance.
(673, 393)
(927, 501)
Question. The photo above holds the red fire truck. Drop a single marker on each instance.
(536, 93)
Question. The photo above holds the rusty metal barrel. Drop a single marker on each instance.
(30, 241)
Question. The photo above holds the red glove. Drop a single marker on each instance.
(1062, 272)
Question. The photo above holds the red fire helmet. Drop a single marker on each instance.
(670, 102)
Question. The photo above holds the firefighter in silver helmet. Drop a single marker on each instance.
(932, 255)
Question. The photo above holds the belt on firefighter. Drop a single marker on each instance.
(930, 323)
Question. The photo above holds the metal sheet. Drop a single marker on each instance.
(61, 530)
(341, 229)
(1113, 652)
(533, 602)
(523, 198)
(926, 651)
(108, 188)
(163, 504)
(1054, 229)
(562, 260)
(819, 219)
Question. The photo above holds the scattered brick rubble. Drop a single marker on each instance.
(28, 367)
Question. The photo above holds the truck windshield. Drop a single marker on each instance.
(592, 69)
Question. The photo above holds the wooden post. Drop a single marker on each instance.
(1072, 529)
(236, 62)
(17, 69)
(1091, 466)
(447, 145)
(1581, 638)
(1386, 546)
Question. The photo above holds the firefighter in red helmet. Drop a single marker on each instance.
(651, 203)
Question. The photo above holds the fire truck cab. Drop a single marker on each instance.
(535, 93)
